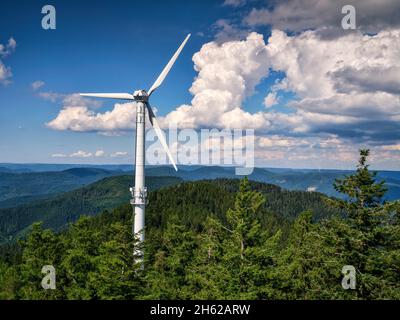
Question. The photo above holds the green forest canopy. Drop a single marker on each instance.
(243, 251)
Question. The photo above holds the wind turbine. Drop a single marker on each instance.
(139, 192)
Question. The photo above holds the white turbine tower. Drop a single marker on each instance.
(139, 192)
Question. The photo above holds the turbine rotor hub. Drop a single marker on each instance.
(141, 95)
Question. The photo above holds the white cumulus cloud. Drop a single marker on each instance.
(81, 154)
(270, 100)
(234, 3)
(99, 153)
(59, 155)
(37, 84)
(87, 154)
(119, 154)
(227, 74)
(77, 117)
(6, 50)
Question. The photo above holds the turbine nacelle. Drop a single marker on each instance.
(141, 95)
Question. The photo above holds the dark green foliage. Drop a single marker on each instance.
(116, 275)
(8, 278)
(309, 267)
(42, 247)
(168, 261)
(234, 260)
(371, 244)
(90, 263)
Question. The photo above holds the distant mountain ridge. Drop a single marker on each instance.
(22, 187)
(42, 167)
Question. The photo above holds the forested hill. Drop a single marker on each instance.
(58, 210)
(191, 201)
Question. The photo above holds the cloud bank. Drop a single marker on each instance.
(372, 16)
(345, 85)
(87, 154)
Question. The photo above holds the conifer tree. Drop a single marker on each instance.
(41, 248)
(79, 259)
(235, 259)
(309, 267)
(370, 233)
(166, 271)
(117, 275)
(363, 194)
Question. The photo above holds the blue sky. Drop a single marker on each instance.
(120, 46)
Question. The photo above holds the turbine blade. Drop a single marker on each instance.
(160, 134)
(123, 96)
(168, 67)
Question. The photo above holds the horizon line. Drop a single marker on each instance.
(184, 165)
